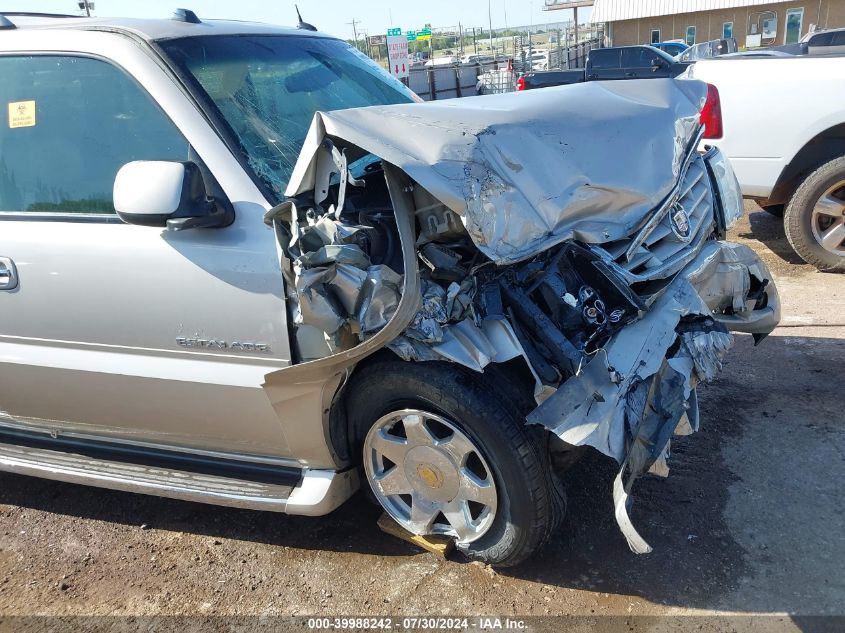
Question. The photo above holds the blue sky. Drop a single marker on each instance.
(330, 16)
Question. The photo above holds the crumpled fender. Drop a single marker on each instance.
(629, 400)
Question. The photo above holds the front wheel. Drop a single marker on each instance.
(814, 220)
(445, 453)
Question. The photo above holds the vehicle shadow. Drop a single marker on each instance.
(768, 229)
(753, 421)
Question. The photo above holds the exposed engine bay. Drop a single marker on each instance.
(614, 290)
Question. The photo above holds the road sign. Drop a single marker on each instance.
(424, 34)
(412, 36)
(378, 40)
(394, 31)
(397, 55)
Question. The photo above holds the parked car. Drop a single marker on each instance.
(708, 50)
(449, 60)
(792, 160)
(828, 42)
(671, 48)
(477, 59)
(224, 280)
(623, 62)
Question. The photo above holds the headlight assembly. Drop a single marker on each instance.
(728, 194)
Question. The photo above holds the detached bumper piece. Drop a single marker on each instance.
(638, 390)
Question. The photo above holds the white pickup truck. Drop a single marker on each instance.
(784, 132)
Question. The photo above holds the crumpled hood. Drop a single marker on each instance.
(526, 171)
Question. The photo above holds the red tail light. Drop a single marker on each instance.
(520, 83)
(711, 114)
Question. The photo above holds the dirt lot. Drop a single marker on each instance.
(749, 521)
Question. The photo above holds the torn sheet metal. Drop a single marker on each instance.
(446, 328)
(634, 394)
(526, 171)
(337, 288)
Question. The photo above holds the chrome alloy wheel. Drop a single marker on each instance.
(429, 476)
(828, 219)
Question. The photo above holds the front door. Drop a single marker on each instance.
(124, 332)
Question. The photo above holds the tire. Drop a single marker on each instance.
(530, 503)
(804, 228)
(774, 209)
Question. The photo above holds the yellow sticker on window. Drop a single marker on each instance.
(22, 114)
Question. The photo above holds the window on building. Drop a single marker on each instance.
(655, 36)
(727, 30)
(794, 20)
(79, 121)
(690, 35)
(762, 29)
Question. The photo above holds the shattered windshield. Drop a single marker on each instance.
(267, 88)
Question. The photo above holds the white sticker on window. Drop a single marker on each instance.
(22, 114)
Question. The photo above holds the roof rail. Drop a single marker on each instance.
(186, 15)
(35, 14)
(6, 23)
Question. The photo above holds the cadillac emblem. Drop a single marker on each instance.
(679, 221)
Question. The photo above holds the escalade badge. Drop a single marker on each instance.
(679, 221)
(216, 344)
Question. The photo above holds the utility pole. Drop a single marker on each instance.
(490, 23)
(530, 28)
(366, 36)
(354, 24)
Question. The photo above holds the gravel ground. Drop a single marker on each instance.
(748, 522)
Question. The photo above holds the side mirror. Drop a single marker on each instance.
(168, 194)
(657, 63)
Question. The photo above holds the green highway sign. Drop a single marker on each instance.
(412, 36)
(394, 31)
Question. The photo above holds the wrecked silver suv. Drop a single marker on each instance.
(450, 300)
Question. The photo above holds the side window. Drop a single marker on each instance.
(72, 123)
(824, 39)
(605, 58)
(637, 57)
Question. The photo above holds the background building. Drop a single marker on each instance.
(752, 23)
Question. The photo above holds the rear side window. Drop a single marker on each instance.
(638, 57)
(605, 59)
(68, 125)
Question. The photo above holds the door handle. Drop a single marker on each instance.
(629, 74)
(8, 274)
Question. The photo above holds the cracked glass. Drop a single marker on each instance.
(267, 89)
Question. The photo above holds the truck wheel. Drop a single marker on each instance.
(815, 218)
(446, 453)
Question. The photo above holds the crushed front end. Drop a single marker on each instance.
(593, 253)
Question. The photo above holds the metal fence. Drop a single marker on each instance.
(468, 80)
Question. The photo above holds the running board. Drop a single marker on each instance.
(317, 492)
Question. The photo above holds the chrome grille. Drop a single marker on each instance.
(656, 251)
